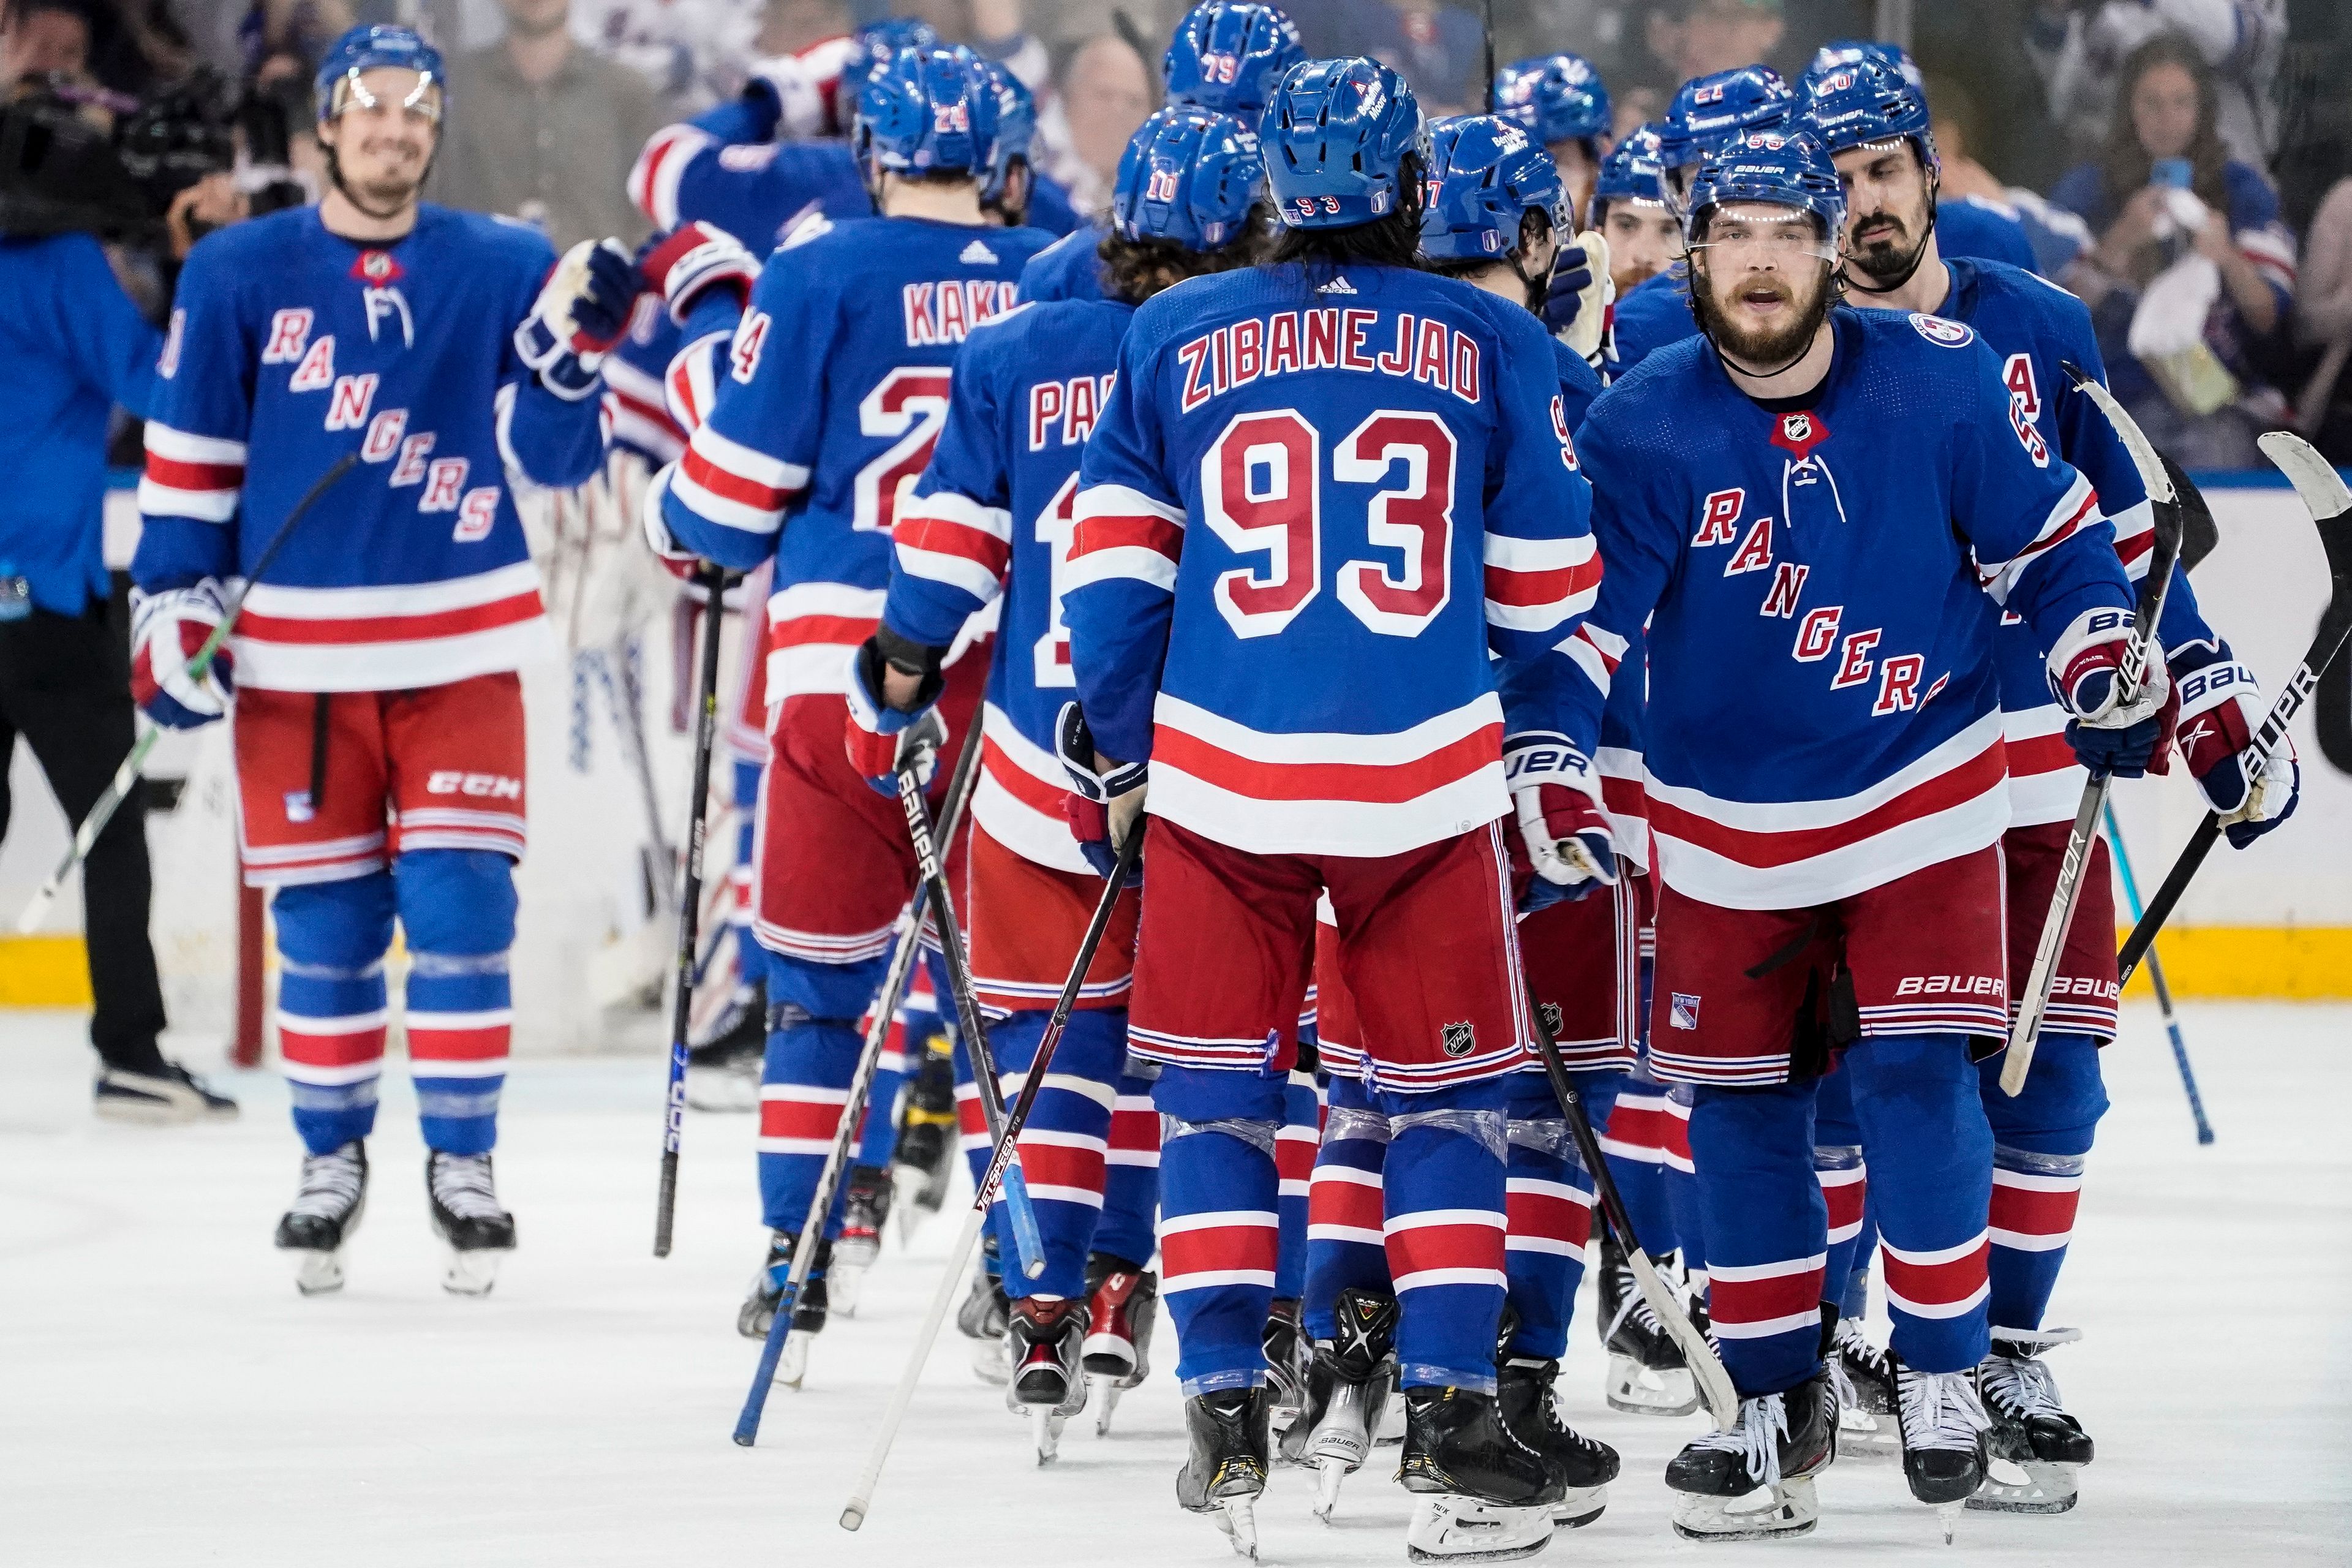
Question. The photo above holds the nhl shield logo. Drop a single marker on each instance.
(1550, 1014)
(375, 267)
(1458, 1039)
(1798, 433)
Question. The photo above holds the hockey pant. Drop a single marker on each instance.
(2039, 1143)
(456, 908)
(1767, 1224)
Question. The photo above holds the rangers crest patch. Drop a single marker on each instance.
(1684, 1012)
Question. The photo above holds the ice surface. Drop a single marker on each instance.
(165, 1398)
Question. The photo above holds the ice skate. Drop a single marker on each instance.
(1482, 1495)
(1045, 1342)
(1287, 1352)
(1944, 1446)
(1347, 1389)
(809, 1311)
(327, 1210)
(1122, 1303)
(724, 1060)
(1778, 1445)
(920, 1165)
(1524, 1394)
(1647, 1373)
(2033, 1435)
(981, 1318)
(1864, 1375)
(1226, 1468)
(466, 1217)
(865, 1212)
(164, 1099)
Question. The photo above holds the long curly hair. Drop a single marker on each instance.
(2126, 164)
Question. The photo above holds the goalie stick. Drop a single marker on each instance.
(2329, 502)
(126, 777)
(2025, 1032)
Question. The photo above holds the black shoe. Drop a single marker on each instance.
(1346, 1384)
(1455, 1443)
(1046, 1343)
(1225, 1470)
(1523, 1397)
(1943, 1426)
(164, 1097)
(467, 1215)
(2031, 1429)
(327, 1210)
(865, 1212)
(758, 1313)
(925, 1156)
(1779, 1442)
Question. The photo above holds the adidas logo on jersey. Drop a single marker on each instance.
(977, 254)
(1337, 285)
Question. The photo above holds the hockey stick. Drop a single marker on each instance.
(1028, 1240)
(1706, 1368)
(853, 1513)
(1063, 1005)
(2325, 496)
(907, 951)
(126, 777)
(2155, 974)
(2034, 1005)
(1488, 20)
(689, 906)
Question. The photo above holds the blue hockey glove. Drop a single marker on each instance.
(1571, 275)
(2221, 711)
(581, 310)
(1103, 802)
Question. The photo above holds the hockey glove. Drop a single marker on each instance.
(166, 631)
(1561, 821)
(582, 312)
(2221, 708)
(1103, 801)
(883, 738)
(1577, 302)
(686, 263)
(2110, 736)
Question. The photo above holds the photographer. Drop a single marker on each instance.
(73, 347)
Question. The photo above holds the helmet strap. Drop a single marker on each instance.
(1932, 179)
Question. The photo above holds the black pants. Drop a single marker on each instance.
(65, 686)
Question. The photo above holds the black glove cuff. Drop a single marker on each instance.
(908, 657)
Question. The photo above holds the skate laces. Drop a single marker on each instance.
(1941, 1409)
(2022, 1386)
(1755, 1437)
(462, 1184)
(1633, 1304)
(331, 1183)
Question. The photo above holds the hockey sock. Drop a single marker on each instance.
(457, 910)
(331, 1003)
(1130, 1213)
(1065, 1142)
(1345, 1248)
(803, 1090)
(1294, 1158)
(1854, 1299)
(911, 1029)
(1682, 1184)
(741, 910)
(1549, 1210)
(1767, 1228)
(1843, 1180)
(1218, 1227)
(2040, 1141)
(1444, 1187)
(1931, 1152)
(1634, 1145)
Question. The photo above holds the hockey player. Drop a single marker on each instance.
(1225, 57)
(836, 384)
(1561, 101)
(1628, 207)
(990, 521)
(1806, 506)
(1300, 469)
(379, 729)
(1876, 128)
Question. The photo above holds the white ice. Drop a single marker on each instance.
(166, 1398)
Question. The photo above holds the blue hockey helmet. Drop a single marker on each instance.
(1559, 97)
(1188, 175)
(1485, 172)
(1845, 51)
(928, 110)
(1016, 123)
(1228, 54)
(1865, 101)
(1709, 110)
(1630, 173)
(1336, 136)
(1776, 166)
(376, 46)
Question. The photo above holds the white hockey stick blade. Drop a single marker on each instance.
(2323, 489)
(2152, 475)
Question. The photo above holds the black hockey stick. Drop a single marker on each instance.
(2329, 502)
(1706, 1368)
(689, 906)
(1494, 104)
(2025, 1030)
(2156, 977)
(907, 951)
(126, 777)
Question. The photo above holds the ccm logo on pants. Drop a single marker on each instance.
(450, 781)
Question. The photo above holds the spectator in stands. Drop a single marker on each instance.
(94, 43)
(1104, 92)
(2078, 47)
(2324, 326)
(546, 130)
(1684, 38)
(2192, 272)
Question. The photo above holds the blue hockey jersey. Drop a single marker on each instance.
(1069, 269)
(290, 346)
(1280, 517)
(1980, 230)
(835, 385)
(993, 514)
(2033, 326)
(1823, 711)
(633, 396)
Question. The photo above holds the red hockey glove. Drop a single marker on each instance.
(685, 264)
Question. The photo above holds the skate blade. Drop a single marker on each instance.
(844, 1283)
(1330, 1473)
(908, 1184)
(1947, 1514)
(1237, 1517)
(1450, 1528)
(1791, 1510)
(1640, 1390)
(1045, 1424)
(791, 1366)
(318, 1273)
(2046, 1488)
(1581, 1507)
(1105, 1390)
(473, 1272)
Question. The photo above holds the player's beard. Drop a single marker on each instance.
(1885, 247)
(395, 185)
(1764, 347)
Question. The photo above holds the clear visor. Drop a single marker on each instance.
(423, 98)
(1763, 236)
